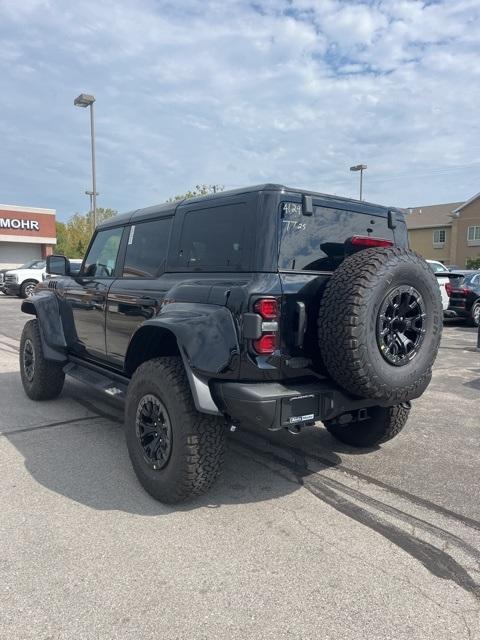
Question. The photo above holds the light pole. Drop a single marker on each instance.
(361, 168)
(90, 195)
(85, 100)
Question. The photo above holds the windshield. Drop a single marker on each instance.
(437, 267)
(33, 264)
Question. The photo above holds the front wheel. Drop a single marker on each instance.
(176, 452)
(382, 424)
(42, 379)
(28, 288)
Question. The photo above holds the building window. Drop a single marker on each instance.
(473, 236)
(439, 238)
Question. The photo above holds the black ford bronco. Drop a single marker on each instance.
(267, 307)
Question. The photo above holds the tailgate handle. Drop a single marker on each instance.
(302, 323)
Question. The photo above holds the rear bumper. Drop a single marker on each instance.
(457, 312)
(275, 405)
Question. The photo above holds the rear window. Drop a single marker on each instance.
(215, 238)
(437, 267)
(317, 242)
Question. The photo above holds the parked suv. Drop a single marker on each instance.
(465, 296)
(442, 274)
(22, 281)
(266, 307)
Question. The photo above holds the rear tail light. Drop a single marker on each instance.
(268, 309)
(449, 288)
(364, 242)
(266, 344)
(461, 291)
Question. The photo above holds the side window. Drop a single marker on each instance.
(439, 237)
(147, 249)
(215, 238)
(473, 235)
(101, 259)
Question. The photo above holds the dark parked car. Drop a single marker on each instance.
(267, 306)
(465, 295)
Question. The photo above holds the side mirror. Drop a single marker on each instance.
(58, 266)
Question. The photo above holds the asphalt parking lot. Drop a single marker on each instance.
(301, 538)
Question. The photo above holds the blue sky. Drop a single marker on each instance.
(237, 93)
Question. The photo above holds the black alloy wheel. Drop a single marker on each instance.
(154, 431)
(401, 325)
(28, 359)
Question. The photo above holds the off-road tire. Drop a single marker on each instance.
(198, 440)
(46, 380)
(24, 287)
(383, 424)
(347, 324)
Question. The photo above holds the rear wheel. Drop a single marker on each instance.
(381, 425)
(176, 452)
(42, 379)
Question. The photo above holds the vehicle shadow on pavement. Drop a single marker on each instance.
(85, 459)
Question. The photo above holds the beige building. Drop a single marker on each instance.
(449, 233)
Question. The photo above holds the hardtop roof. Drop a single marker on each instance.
(168, 208)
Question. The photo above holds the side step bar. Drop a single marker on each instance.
(114, 386)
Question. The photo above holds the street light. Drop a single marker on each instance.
(84, 100)
(90, 195)
(361, 168)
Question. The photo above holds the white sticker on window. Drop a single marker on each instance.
(130, 237)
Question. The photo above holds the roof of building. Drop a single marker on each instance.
(464, 204)
(435, 215)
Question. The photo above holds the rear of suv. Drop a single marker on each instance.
(465, 296)
(266, 307)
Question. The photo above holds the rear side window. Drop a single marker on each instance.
(317, 242)
(215, 238)
(147, 249)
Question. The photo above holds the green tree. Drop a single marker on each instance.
(473, 263)
(61, 247)
(74, 235)
(200, 190)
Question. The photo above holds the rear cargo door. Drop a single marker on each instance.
(310, 249)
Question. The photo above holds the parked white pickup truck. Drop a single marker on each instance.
(443, 281)
(22, 281)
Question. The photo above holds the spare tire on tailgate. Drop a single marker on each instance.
(380, 324)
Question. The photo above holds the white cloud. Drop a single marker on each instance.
(235, 92)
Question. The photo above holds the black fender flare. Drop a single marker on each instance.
(206, 338)
(44, 305)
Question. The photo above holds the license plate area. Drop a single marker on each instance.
(300, 409)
